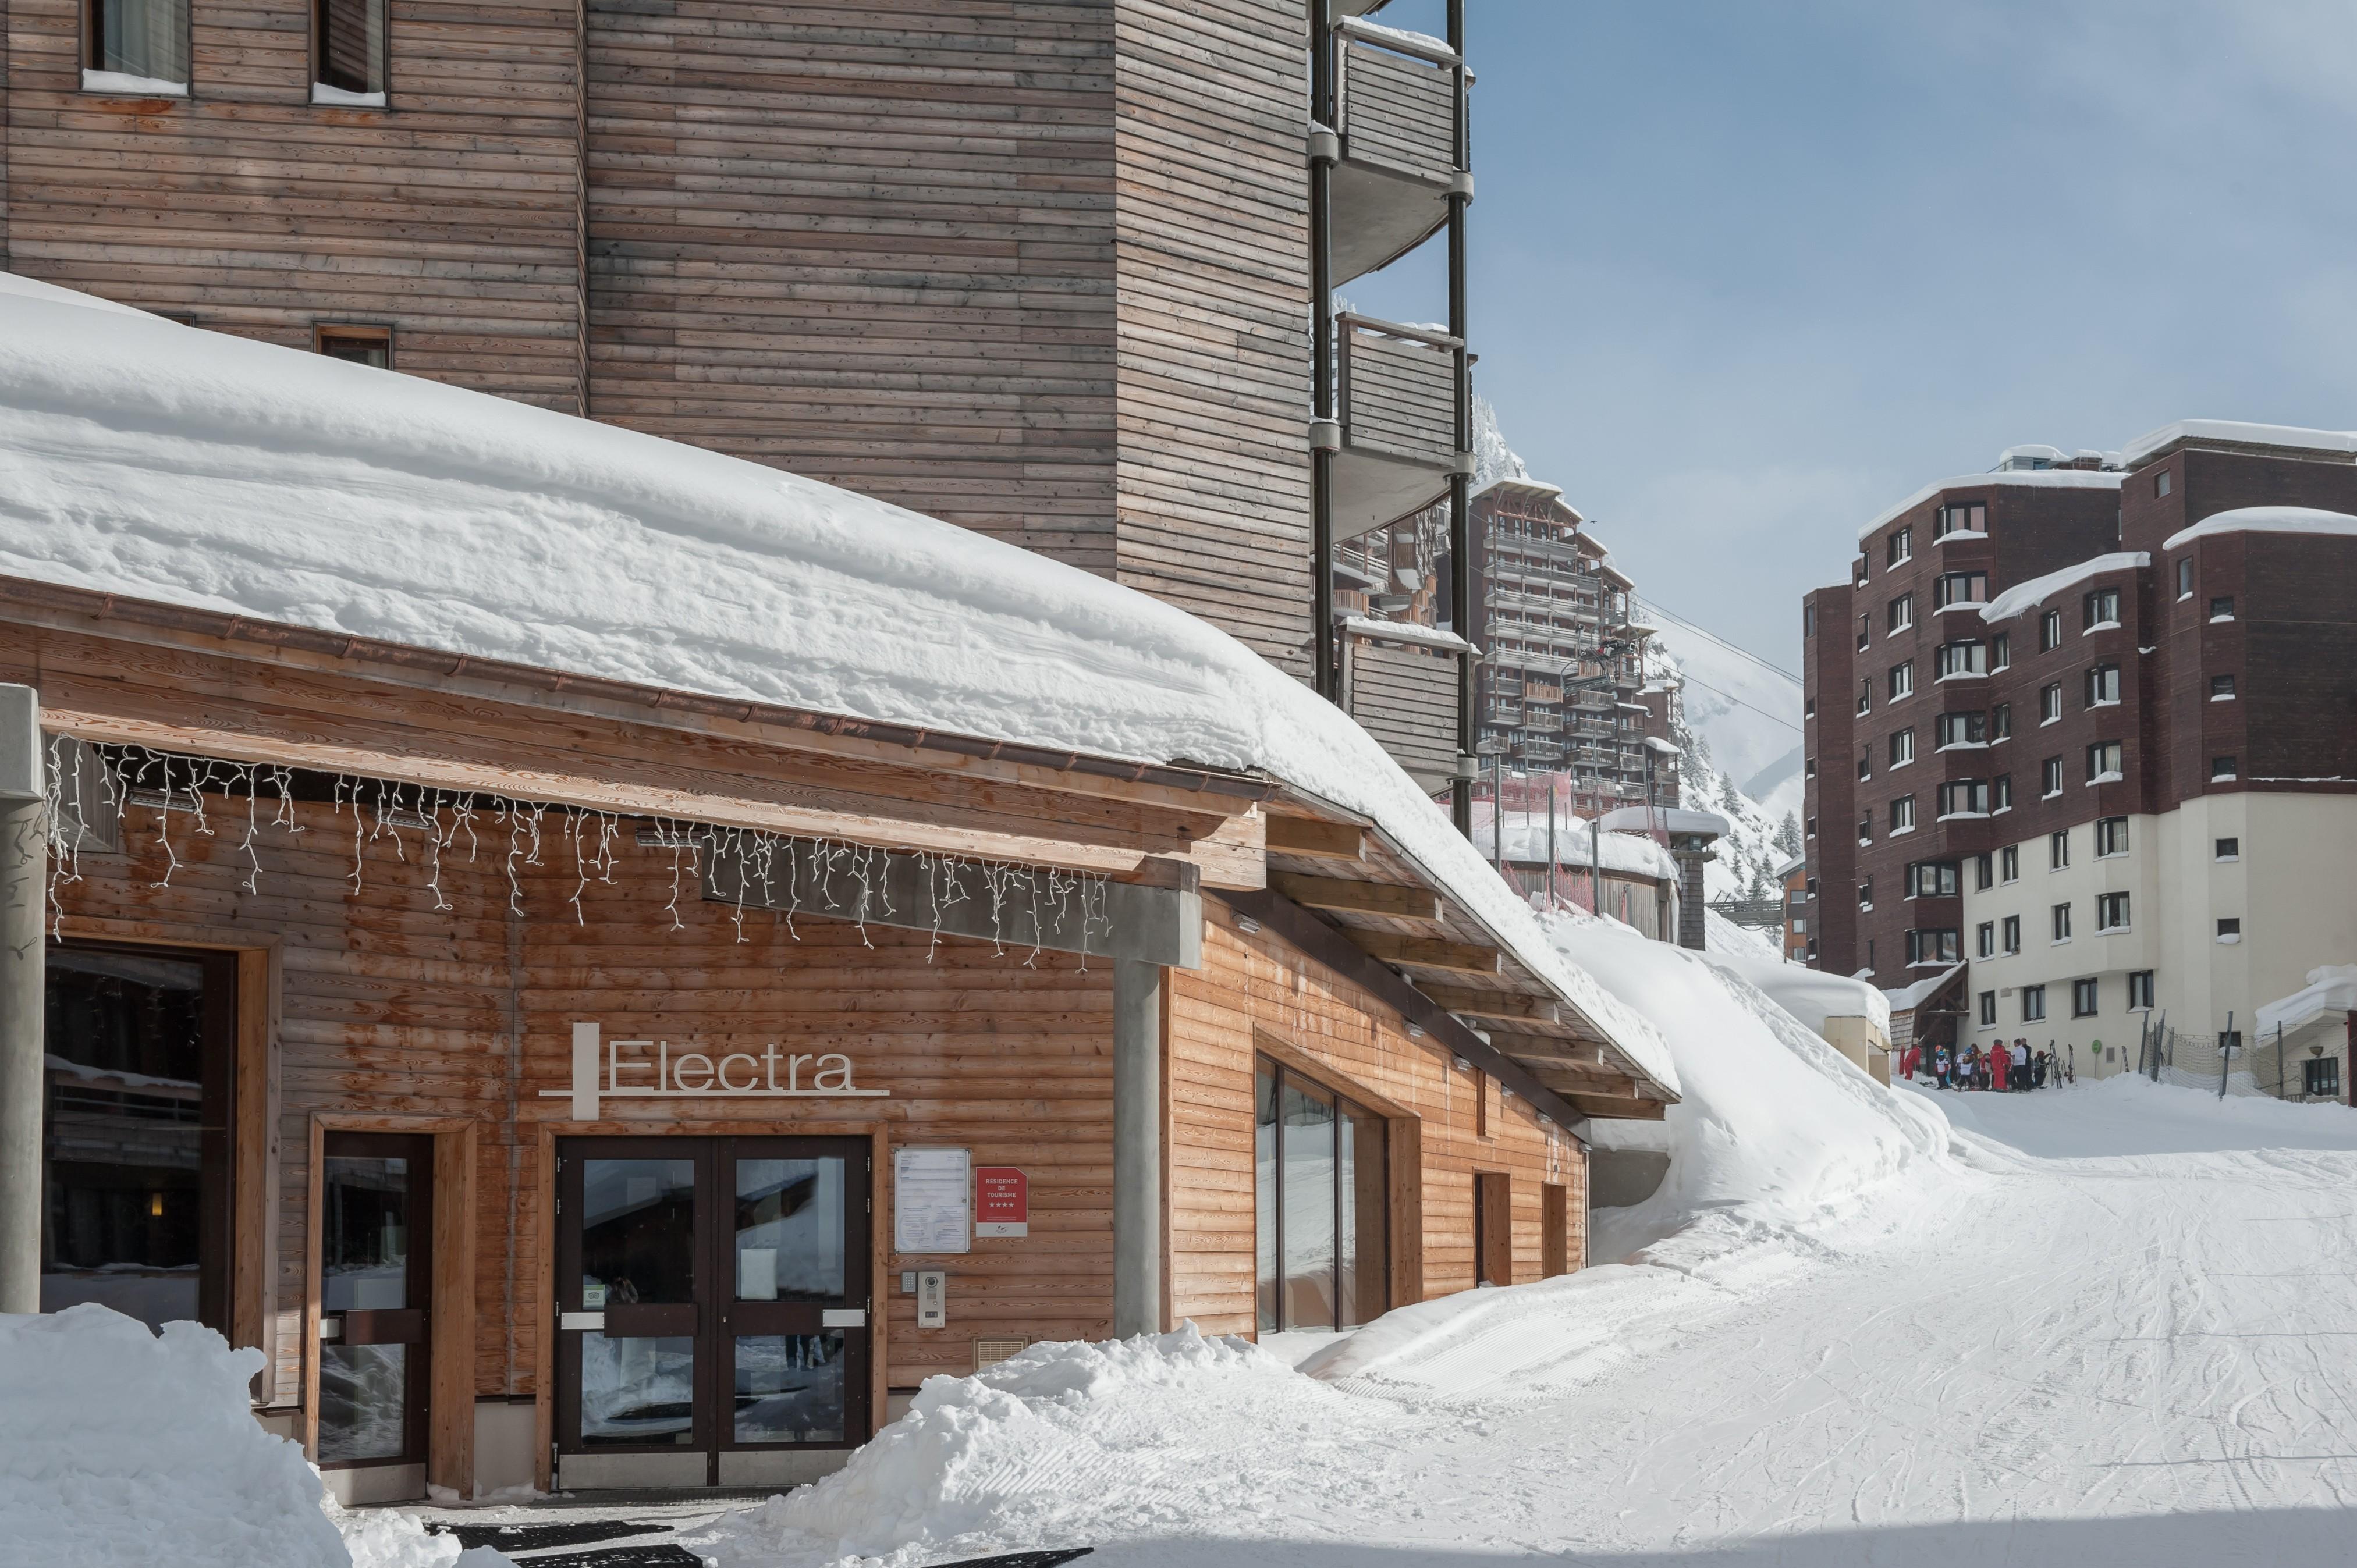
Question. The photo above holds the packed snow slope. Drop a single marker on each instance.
(123, 1448)
(2101, 1359)
(149, 459)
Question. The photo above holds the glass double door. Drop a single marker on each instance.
(713, 1300)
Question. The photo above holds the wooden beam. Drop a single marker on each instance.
(1552, 1052)
(1315, 838)
(1503, 1005)
(1428, 952)
(1393, 900)
(1603, 1109)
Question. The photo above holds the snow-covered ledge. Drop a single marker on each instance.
(130, 86)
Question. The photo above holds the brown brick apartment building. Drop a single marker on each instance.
(2084, 728)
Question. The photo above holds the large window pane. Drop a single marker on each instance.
(1307, 1118)
(789, 1230)
(789, 1388)
(143, 37)
(637, 1391)
(1364, 1260)
(364, 1235)
(1267, 1194)
(133, 1179)
(638, 1232)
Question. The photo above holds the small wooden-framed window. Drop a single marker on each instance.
(348, 52)
(357, 344)
(136, 47)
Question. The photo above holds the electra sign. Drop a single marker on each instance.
(652, 1071)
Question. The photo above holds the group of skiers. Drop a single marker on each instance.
(1999, 1066)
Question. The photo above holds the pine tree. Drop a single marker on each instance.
(1788, 835)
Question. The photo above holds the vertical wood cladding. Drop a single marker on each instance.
(447, 215)
(1252, 988)
(870, 245)
(1213, 259)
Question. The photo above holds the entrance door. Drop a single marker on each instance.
(376, 1282)
(713, 1298)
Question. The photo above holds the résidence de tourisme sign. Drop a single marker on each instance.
(653, 1071)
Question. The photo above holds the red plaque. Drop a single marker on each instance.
(1002, 1201)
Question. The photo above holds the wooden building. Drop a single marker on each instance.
(576, 1079)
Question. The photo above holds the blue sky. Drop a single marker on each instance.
(1744, 274)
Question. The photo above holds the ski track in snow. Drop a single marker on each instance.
(2073, 1356)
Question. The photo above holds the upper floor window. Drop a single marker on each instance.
(2001, 721)
(2009, 863)
(1902, 612)
(137, 46)
(1963, 516)
(2111, 836)
(1865, 695)
(1959, 588)
(2184, 577)
(1962, 729)
(2009, 934)
(1902, 814)
(1964, 797)
(1983, 875)
(1932, 879)
(1963, 659)
(2057, 849)
(2221, 688)
(357, 345)
(2111, 911)
(2049, 702)
(2103, 685)
(2001, 652)
(349, 52)
(2160, 483)
(2050, 631)
(1866, 892)
(2051, 775)
(2223, 607)
(1864, 630)
(1902, 547)
(2101, 607)
(1808, 620)
(1902, 746)
(2139, 988)
(1903, 678)
(2082, 999)
(1865, 766)
(2223, 768)
(2033, 1004)
(2001, 793)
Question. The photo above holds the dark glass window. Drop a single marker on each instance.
(140, 1047)
(371, 346)
(1321, 1206)
(350, 45)
(143, 38)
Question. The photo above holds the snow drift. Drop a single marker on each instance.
(160, 462)
(127, 1449)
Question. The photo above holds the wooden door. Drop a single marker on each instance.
(376, 1287)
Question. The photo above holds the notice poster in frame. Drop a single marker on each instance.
(932, 1202)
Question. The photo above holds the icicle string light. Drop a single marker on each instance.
(93, 788)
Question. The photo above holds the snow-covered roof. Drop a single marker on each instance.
(1791, 866)
(155, 461)
(2023, 598)
(2037, 478)
(2330, 990)
(1404, 631)
(1526, 844)
(1907, 998)
(1668, 819)
(2031, 452)
(2267, 520)
(2241, 435)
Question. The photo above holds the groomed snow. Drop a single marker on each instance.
(160, 462)
(2037, 478)
(2023, 598)
(2267, 520)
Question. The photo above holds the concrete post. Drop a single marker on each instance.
(24, 878)
(1137, 1147)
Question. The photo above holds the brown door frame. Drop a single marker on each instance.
(712, 1318)
(412, 1324)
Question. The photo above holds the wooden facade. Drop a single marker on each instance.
(1036, 268)
(389, 985)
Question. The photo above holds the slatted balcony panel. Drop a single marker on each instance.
(1405, 698)
(1398, 398)
(1398, 111)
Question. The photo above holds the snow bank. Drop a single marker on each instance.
(2130, 1117)
(122, 1448)
(159, 462)
(2023, 598)
(1067, 1444)
(2267, 520)
(1810, 995)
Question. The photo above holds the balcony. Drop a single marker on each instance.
(1541, 720)
(1398, 401)
(1542, 751)
(1397, 97)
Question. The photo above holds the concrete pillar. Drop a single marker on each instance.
(24, 882)
(1137, 1147)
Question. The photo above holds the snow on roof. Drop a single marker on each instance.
(2330, 990)
(1791, 866)
(2042, 478)
(1404, 631)
(2241, 435)
(1907, 998)
(2023, 598)
(1509, 482)
(1668, 819)
(2031, 452)
(2265, 520)
(161, 462)
(1526, 844)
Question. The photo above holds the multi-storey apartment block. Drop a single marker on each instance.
(2081, 731)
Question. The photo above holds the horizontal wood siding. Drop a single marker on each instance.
(1214, 301)
(1398, 111)
(447, 216)
(872, 244)
(1252, 983)
(1399, 398)
(1406, 698)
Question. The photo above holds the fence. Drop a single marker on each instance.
(2234, 1063)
